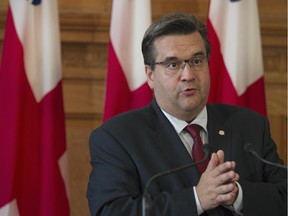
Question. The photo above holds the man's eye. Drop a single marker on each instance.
(196, 61)
(173, 65)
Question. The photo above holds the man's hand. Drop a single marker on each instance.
(217, 184)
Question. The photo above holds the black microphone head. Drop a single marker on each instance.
(206, 148)
(248, 147)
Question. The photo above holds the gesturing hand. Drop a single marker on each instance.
(217, 184)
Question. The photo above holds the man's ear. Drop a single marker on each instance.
(149, 76)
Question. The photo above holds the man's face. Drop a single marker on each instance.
(181, 91)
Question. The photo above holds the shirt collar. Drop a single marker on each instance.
(179, 125)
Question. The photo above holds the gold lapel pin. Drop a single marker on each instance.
(221, 132)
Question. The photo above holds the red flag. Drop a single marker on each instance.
(126, 86)
(32, 129)
(236, 64)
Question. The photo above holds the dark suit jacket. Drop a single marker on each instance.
(132, 147)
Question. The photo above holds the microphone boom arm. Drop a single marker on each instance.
(266, 161)
(174, 170)
(248, 147)
(206, 150)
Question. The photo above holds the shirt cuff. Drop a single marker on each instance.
(198, 204)
(237, 206)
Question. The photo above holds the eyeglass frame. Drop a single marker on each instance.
(183, 63)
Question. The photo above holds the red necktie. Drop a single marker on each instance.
(197, 153)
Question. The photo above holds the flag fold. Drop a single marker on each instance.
(32, 130)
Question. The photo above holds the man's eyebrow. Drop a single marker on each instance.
(173, 58)
(198, 53)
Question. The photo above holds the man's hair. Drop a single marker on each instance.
(172, 24)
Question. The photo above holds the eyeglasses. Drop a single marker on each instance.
(197, 63)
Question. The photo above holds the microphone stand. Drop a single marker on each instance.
(250, 149)
(146, 195)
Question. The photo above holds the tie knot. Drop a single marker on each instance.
(193, 130)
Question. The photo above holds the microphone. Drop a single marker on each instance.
(248, 147)
(146, 196)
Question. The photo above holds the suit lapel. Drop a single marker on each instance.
(219, 133)
(174, 150)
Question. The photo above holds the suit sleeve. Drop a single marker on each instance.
(265, 189)
(116, 183)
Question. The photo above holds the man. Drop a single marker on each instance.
(129, 149)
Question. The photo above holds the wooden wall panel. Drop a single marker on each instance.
(78, 130)
(85, 37)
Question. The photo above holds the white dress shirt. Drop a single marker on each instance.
(188, 142)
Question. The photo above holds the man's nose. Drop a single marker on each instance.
(187, 72)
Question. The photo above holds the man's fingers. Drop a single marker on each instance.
(226, 178)
(228, 198)
(222, 168)
(220, 155)
(227, 188)
(213, 163)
